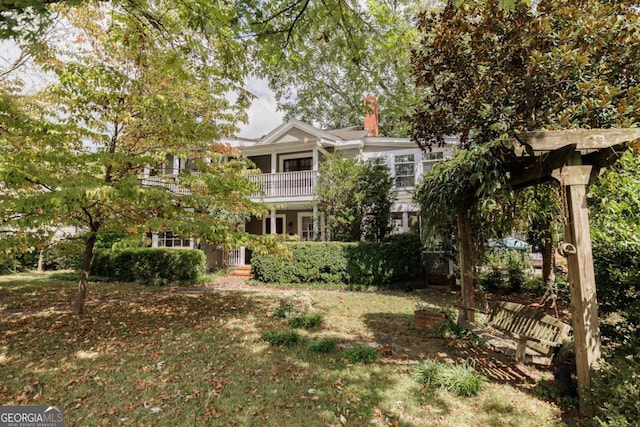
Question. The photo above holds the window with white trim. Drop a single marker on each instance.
(169, 240)
(429, 158)
(405, 170)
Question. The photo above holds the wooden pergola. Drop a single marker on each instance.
(574, 158)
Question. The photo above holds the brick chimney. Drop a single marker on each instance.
(371, 115)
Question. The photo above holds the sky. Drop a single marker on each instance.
(263, 114)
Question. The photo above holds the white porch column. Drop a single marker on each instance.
(274, 162)
(315, 157)
(316, 226)
(176, 165)
(405, 222)
(154, 240)
(273, 221)
(242, 255)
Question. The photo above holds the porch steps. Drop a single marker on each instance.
(241, 272)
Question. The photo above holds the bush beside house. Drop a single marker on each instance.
(361, 263)
(150, 266)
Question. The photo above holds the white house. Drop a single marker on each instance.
(289, 157)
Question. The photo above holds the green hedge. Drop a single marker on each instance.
(150, 266)
(361, 263)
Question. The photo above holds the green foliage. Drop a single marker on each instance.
(448, 327)
(306, 320)
(355, 50)
(472, 182)
(615, 217)
(124, 99)
(365, 263)
(563, 64)
(150, 266)
(500, 261)
(359, 353)
(614, 210)
(559, 65)
(322, 345)
(615, 391)
(535, 286)
(458, 379)
(283, 338)
(64, 255)
(376, 186)
(356, 198)
(11, 265)
(286, 309)
(311, 261)
(516, 276)
(491, 280)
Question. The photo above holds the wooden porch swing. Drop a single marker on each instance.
(574, 158)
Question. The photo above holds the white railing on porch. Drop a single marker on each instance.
(167, 183)
(234, 257)
(283, 184)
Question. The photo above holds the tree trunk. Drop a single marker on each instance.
(466, 265)
(41, 261)
(78, 308)
(547, 253)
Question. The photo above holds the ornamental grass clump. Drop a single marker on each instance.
(458, 379)
(359, 353)
(306, 320)
(284, 338)
(322, 345)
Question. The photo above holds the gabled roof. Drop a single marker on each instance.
(289, 127)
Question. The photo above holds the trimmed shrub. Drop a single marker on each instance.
(457, 379)
(18, 262)
(65, 255)
(359, 353)
(11, 265)
(150, 266)
(362, 263)
(284, 338)
(322, 345)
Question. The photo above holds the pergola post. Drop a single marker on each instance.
(584, 305)
(466, 266)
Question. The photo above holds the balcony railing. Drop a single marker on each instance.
(285, 184)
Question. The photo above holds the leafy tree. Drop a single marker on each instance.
(337, 54)
(356, 197)
(488, 74)
(376, 186)
(127, 98)
(471, 184)
(564, 64)
(338, 197)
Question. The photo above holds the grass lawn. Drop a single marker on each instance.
(197, 358)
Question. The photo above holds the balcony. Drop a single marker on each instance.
(285, 184)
